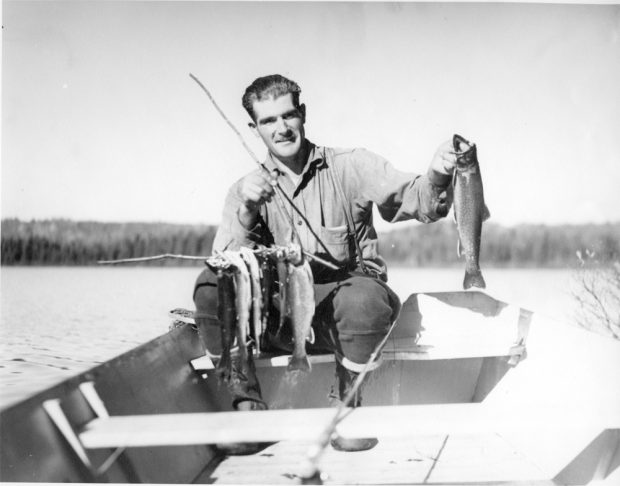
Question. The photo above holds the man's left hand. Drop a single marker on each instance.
(445, 158)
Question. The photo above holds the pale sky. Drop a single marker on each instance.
(100, 120)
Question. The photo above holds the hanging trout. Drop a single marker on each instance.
(243, 302)
(226, 312)
(297, 304)
(269, 281)
(469, 209)
(257, 301)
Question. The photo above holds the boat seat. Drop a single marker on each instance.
(461, 333)
(398, 349)
(307, 424)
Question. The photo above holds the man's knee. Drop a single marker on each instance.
(362, 305)
(364, 309)
(205, 300)
(205, 295)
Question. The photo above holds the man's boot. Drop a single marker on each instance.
(343, 384)
(245, 390)
(245, 448)
(243, 384)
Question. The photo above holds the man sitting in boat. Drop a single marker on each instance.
(334, 189)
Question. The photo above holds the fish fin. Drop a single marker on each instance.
(297, 363)
(486, 214)
(311, 336)
(474, 279)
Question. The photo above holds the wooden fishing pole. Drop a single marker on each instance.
(274, 182)
(311, 473)
(279, 192)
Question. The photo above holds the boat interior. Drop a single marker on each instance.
(471, 390)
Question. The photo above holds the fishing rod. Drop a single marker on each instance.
(312, 474)
(274, 182)
(310, 470)
(280, 193)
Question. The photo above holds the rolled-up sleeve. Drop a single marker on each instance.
(399, 195)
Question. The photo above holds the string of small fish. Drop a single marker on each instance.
(247, 282)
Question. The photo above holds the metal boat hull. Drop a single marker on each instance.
(448, 348)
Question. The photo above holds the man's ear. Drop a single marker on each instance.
(302, 110)
(252, 126)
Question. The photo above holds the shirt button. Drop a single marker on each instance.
(299, 222)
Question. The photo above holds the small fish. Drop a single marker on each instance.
(227, 315)
(284, 325)
(469, 209)
(226, 311)
(269, 278)
(243, 301)
(257, 302)
(299, 304)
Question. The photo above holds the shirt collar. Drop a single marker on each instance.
(315, 157)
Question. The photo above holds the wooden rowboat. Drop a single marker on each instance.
(471, 391)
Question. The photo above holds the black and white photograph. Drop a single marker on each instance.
(314, 242)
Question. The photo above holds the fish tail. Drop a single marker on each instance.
(473, 278)
(299, 363)
(224, 368)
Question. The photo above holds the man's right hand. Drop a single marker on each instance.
(256, 189)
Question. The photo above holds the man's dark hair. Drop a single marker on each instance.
(265, 87)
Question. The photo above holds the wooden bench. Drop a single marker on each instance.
(307, 424)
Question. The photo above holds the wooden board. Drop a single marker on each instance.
(307, 424)
(427, 459)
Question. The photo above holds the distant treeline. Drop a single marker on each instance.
(65, 242)
(524, 245)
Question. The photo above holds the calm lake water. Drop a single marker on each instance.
(59, 321)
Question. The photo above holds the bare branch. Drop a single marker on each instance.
(598, 296)
(165, 256)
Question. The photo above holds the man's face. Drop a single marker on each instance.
(280, 125)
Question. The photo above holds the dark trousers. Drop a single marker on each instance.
(353, 314)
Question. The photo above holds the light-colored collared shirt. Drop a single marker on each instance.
(366, 179)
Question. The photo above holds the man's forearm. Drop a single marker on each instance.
(247, 217)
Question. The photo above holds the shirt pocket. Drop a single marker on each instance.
(336, 239)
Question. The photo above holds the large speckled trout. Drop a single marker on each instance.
(469, 209)
(297, 303)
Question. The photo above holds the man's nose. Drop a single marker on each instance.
(281, 125)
